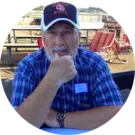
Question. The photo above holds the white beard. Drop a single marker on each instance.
(51, 57)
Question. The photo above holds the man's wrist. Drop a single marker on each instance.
(60, 116)
(51, 82)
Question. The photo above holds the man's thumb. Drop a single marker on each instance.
(56, 56)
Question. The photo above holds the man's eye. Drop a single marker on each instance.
(53, 32)
(67, 32)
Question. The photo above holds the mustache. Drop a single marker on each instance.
(60, 49)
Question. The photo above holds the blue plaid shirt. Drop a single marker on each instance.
(92, 87)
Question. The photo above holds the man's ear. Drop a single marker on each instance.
(79, 34)
(43, 37)
(44, 41)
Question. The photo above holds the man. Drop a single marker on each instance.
(62, 85)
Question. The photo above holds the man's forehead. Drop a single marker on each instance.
(62, 24)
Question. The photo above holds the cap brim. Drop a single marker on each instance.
(56, 20)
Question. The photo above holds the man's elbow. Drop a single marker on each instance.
(120, 108)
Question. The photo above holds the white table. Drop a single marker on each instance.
(65, 131)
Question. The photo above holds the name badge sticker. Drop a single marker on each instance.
(81, 87)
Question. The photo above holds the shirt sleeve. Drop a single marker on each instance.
(105, 91)
(23, 84)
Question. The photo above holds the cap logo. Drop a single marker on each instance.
(59, 8)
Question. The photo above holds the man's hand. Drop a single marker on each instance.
(61, 70)
(51, 119)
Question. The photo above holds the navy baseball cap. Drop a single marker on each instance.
(59, 11)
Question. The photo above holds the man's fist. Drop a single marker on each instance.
(61, 70)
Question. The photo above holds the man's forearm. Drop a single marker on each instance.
(90, 119)
(35, 108)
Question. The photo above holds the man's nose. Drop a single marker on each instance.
(59, 40)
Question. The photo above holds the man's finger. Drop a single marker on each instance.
(68, 56)
(56, 56)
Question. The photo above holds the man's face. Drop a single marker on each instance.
(62, 38)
